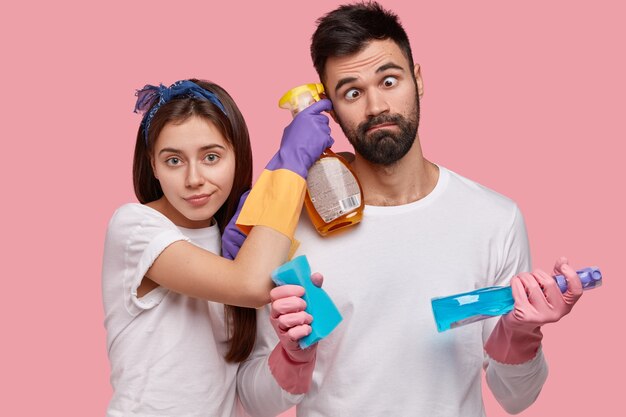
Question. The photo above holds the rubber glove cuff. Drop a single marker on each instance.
(512, 344)
(275, 201)
(293, 376)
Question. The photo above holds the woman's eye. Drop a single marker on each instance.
(172, 161)
(390, 81)
(212, 158)
(352, 94)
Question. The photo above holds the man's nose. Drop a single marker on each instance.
(376, 103)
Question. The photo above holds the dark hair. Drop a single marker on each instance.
(349, 28)
(147, 188)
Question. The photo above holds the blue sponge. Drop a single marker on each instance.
(325, 314)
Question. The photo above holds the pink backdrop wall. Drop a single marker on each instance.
(524, 97)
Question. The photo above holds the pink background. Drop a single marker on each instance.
(524, 97)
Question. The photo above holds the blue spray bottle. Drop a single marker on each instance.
(469, 307)
(325, 314)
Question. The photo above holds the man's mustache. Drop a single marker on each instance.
(378, 120)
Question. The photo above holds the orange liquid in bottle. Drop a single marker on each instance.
(334, 198)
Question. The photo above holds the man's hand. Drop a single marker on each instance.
(538, 301)
(292, 366)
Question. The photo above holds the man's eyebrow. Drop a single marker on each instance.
(343, 82)
(382, 68)
(390, 65)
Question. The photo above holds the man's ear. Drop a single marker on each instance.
(334, 117)
(417, 72)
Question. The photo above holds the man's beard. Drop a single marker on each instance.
(383, 146)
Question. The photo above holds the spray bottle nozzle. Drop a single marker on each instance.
(301, 97)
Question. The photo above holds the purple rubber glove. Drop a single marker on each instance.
(304, 140)
(292, 366)
(538, 301)
(232, 238)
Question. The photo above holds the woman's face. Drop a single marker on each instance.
(195, 166)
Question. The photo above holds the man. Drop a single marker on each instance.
(426, 232)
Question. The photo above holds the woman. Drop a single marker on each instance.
(172, 352)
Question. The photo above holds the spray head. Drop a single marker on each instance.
(301, 97)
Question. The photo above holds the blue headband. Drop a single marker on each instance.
(150, 94)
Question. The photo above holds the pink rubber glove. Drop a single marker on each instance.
(538, 300)
(291, 366)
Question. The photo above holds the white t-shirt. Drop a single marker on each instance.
(386, 357)
(166, 349)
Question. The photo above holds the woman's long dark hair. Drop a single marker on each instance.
(147, 187)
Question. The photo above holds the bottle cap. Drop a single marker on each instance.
(590, 277)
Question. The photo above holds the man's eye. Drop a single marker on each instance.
(390, 81)
(352, 94)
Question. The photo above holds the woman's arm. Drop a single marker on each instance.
(187, 269)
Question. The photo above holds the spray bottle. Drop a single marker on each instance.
(460, 309)
(334, 197)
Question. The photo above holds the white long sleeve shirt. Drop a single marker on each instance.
(386, 358)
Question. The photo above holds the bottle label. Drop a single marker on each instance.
(332, 188)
